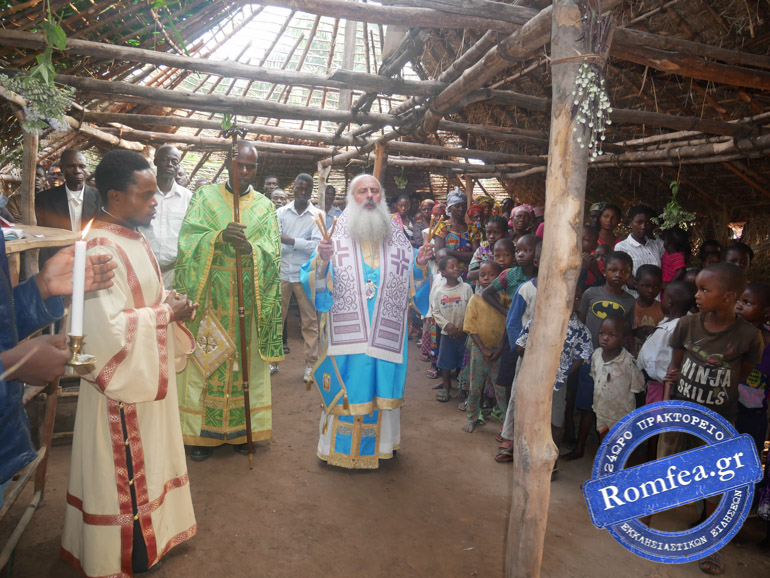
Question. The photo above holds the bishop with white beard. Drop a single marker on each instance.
(361, 280)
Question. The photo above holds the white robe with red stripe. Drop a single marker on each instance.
(127, 327)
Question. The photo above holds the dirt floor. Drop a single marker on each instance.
(440, 508)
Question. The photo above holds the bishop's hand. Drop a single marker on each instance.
(325, 249)
(424, 254)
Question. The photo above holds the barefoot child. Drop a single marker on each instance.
(616, 377)
(430, 335)
(448, 302)
(496, 228)
(596, 304)
(576, 352)
(485, 326)
(501, 293)
(714, 351)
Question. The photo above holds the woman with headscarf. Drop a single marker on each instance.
(487, 203)
(422, 219)
(453, 234)
(522, 222)
(476, 222)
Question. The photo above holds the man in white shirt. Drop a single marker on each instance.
(69, 206)
(331, 210)
(643, 251)
(173, 199)
(299, 238)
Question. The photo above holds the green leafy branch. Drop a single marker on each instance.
(55, 37)
(401, 180)
(46, 103)
(674, 214)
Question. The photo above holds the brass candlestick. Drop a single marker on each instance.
(79, 359)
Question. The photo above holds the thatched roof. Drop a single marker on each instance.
(697, 70)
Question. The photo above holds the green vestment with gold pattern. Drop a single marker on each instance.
(210, 388)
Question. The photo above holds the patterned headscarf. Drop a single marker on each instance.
(522, 208)
(439, 209)
(455, 198)
(427, 202)
(597, 207)
(475, 211)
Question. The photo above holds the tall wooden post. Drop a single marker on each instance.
(348, 61)
(534, 450)
(28, 168)
(469, 190)
(380, 161)
(323, 174)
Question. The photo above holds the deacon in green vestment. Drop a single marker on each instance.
(210, 391)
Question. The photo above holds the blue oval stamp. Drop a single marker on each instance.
(728, 465)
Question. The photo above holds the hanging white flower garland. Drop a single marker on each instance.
(591, 106)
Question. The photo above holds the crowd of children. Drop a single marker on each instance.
(648, 325)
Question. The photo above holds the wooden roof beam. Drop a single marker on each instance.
(632, 49)
(514, 47)
(151, 120)
(369, 82)
(502, 18)
(126, 92)
(628, 38)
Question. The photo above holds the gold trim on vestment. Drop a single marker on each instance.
(368, 407)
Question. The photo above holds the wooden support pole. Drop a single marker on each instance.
(323, 174)
(469, 190)
(380, 161)
(348, 60)
(534, 450)
(29, 165)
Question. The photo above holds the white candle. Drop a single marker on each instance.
(78, 289)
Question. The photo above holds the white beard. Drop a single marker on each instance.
(368, 224)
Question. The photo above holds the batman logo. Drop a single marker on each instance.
(603, 309)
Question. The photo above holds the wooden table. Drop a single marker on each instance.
(50, 238)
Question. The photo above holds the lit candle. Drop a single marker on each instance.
(79, 285)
